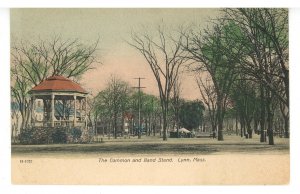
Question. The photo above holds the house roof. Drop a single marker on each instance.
(58, 83)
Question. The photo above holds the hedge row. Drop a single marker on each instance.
(41, 135)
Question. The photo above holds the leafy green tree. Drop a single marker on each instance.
(112, 101)
(102, 111)
(245, 98)
(265, 33)
(191, 114)
(216, 53)
(150, 110)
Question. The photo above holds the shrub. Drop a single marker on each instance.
(25, 136)
(87, 135)
(76, 133)
(34, 135)
(59, 136)
(46, 135)
(40, 136)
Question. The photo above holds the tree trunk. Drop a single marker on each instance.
(255, 126)
(285, 114)
(28, 117)
(165, 125)
(103, 132)
(109, 129)
(132, 127)
(242, 126)
(249, 130)
(270, 130)
(22, 121)
(123, 125)
(150, 125)
(154, 125)
(164, 106)
(250, 134)
(146, 126)
(244, 131)
(236, 124)
(270, 122)
(220, 130)
(95, 125)
(160, 125)
(271, 137)
(220, 118)
(286, 127)
(262, 115)
(115, 126)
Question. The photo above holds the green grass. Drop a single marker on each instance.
(155, 145)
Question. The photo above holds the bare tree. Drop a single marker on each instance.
(15, 116)
(40, 60)
(176, 103)
(209, 97)
(19, 88)
(32, 63)
(165, 57)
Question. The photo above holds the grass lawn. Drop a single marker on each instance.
(155, 145)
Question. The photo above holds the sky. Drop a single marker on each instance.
(113, 28)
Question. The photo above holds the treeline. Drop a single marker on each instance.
(240, 62)
(118, 109)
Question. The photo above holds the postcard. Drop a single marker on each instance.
(150, 96)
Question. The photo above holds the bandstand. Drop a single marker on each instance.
(62, 101)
